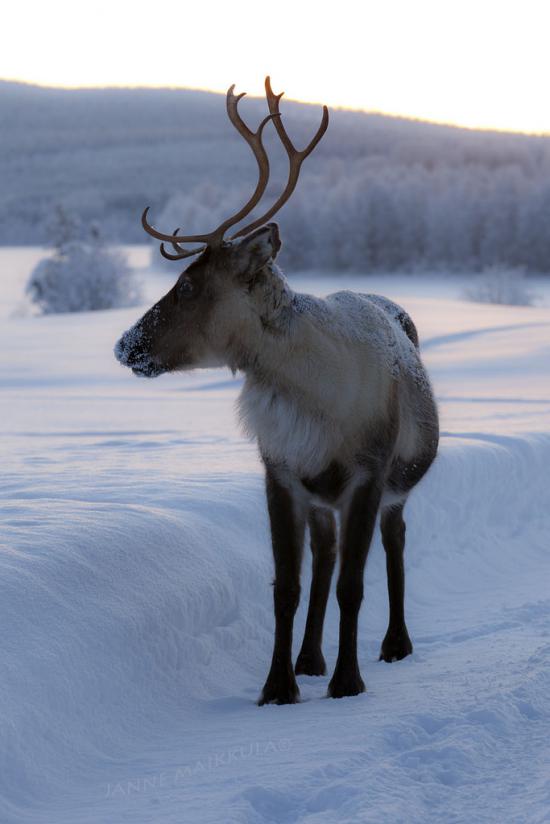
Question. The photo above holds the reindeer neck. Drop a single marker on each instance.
(264, 339)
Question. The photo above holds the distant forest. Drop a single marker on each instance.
(379, 193)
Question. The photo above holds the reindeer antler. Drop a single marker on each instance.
(254, 140)
(295, 157)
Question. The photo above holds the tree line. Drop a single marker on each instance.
(380, 192)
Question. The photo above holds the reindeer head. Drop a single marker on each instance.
(231, 291)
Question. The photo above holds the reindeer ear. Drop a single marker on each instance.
(256, 249)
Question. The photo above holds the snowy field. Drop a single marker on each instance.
(136, 607)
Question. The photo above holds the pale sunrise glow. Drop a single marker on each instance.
(482, 64)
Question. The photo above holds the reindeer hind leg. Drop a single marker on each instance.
(396, 644)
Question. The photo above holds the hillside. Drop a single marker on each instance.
(406, 192)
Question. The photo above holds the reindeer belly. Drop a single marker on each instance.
(329, 485)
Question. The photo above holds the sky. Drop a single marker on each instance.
(482, 64)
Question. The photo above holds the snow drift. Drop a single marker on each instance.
(136, 607)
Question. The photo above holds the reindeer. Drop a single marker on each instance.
(335, 394)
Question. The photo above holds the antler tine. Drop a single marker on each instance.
(296, 157)
(254, 140)
(169, 238)
(182, 253)
(273, 101)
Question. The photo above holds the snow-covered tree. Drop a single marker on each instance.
(81, 275)
(500, 284)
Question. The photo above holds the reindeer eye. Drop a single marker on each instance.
(186, 289)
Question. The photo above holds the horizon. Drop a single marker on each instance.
(478, 66)
(259, 96)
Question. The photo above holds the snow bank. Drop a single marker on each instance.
(134, 629)
(135, 597)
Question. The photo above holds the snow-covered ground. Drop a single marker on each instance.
(136, 607)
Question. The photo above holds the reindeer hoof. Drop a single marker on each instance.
(280, 690)
(310, 662)
(396, 646)
(345, 683)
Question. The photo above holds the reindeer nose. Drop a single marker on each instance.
(127, 349)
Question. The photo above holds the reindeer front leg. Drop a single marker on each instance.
(287, 518)
(322, 527)
(356, 534)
